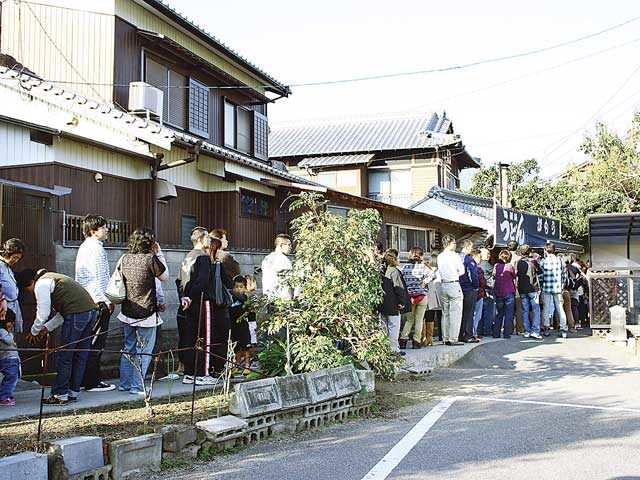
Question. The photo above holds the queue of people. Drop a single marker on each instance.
(81, 307)
(463, 294)
(522, 293)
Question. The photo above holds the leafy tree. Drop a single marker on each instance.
(332, 320)
(608, 183)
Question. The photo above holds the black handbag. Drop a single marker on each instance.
(223, 296)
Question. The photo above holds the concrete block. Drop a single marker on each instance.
(255, 398)
(345, 380)
(321, 385)
(177, 437)
(223, 429)
(135, 455)
(317, 409)
(101, 473)
(367, 380)
(341, 403)
(262, 421)
(24, 466)
(294, 391)
(79, 454)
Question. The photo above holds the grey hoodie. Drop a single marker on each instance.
(6, 341)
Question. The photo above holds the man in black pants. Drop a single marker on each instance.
(194, 316)
(92, 272)
(469, 283)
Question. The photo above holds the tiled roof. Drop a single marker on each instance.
(133, 125)
(336, 160)
(75, 103)
(168, 9)
(465, 202)
(243, 159)
(363, 135)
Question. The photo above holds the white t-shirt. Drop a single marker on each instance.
(272, 265)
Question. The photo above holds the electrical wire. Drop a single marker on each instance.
(525, 76)
(471, 64)
(562, 142)
(55, 45)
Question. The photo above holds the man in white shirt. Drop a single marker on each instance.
(450, 267)
(92, 272)
(274, 264)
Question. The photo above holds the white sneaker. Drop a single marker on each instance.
(526, 335)
(187, 379)
(537, 336)
(208, 380)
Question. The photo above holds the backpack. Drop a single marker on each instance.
(534, 280)
(576, 279)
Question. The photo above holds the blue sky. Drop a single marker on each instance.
(533, 108)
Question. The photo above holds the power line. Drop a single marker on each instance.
(469, 65)
(618, 90)
(526, 75)
(46, 33)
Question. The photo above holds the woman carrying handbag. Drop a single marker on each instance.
(138, 269)
(218, 297)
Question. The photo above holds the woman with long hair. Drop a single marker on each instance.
(140, 267)
(505, 293)
(218, 300)
(395, 298)
(11, 252)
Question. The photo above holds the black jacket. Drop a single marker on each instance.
(395, 293)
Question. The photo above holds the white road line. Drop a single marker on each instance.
(551, 404)
(391, 460)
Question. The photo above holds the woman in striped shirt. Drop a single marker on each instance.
(416, 276)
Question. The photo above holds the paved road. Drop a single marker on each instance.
(484, 433)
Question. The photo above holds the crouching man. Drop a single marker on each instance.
(61, 301)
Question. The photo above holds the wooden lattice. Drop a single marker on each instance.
(605, 293)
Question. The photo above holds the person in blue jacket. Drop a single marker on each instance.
(469, 283)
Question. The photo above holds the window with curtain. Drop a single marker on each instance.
(238, 127)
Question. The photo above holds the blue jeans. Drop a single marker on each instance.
(10, 369)
(488, 312)
(477, 317)
(504, 306)
(530, 300)
(136, 340)
(551, 302)
(76, 334)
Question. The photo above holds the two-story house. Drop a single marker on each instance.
(144, 58)
(392, 160)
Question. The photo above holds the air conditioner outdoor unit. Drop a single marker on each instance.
(146, 99)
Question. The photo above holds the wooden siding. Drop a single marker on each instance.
(146, 20)
(423, 178)
(127, 61)
(84, 36)
(114, 197)
(16, 147)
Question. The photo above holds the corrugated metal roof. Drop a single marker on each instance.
(336, 160)
(364, 135)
